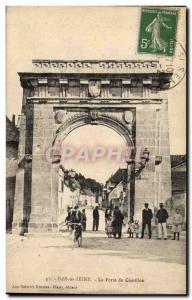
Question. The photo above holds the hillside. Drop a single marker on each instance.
(76, 180)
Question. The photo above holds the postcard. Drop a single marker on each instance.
(96, 199)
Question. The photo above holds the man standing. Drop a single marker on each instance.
(118, 222)
(162, 216)
(147, 215)
(84, 219)
(96, 218)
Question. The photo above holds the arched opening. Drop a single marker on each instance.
(93, 170)
(93, 118)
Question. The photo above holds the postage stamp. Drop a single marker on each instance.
(157, 33)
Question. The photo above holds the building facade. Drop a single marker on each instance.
(60, 96)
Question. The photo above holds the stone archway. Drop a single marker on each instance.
(123, 95)
(64, 131)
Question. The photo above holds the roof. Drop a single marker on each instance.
(179, 168)
(12, 133)
(87, 192)
(120, 175)
(177, 160)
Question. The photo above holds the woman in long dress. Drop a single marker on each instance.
(157, 43)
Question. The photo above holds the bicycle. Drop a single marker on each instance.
(77, 233)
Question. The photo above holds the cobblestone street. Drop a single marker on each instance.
(50, 263)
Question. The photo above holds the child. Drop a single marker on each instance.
(109, 227)
(130, 229)
(136, 228)
(177, 224)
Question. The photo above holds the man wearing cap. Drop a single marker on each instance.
(96, 218)
(147, 215)
(162, 216)
(77, 215)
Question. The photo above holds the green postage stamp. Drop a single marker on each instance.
(157, 33)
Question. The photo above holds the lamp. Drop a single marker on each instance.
(145, 154)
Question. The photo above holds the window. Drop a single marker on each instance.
(116, 88)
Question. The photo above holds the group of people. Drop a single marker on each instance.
(76, 216)
(114, 221)
(161, 217)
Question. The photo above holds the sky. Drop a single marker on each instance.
(85, 160)
(83, 33)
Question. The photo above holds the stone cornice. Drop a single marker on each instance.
(97, 66)
(95, 102)
(151, 80)
(129, 72)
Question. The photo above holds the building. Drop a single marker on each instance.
(12, 141)
(87, 198)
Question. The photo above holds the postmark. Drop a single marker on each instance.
(157, 33)
(174, 64)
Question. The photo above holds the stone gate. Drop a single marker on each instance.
(60, 96)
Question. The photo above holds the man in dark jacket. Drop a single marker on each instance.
(76, 216)
(117, 222)
(96, 218)
(147, 215)
(84, 219)
(162, 216)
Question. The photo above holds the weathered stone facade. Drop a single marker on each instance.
(60, 96)
(12, 140)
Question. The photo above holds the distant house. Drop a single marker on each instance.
(12, 141)
(71, 197)
(120, 175)
(115, 190)
(87, 198)
(117, 197)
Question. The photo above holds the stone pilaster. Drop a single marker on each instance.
(44, 177)
(163, 170)
(145, 137)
